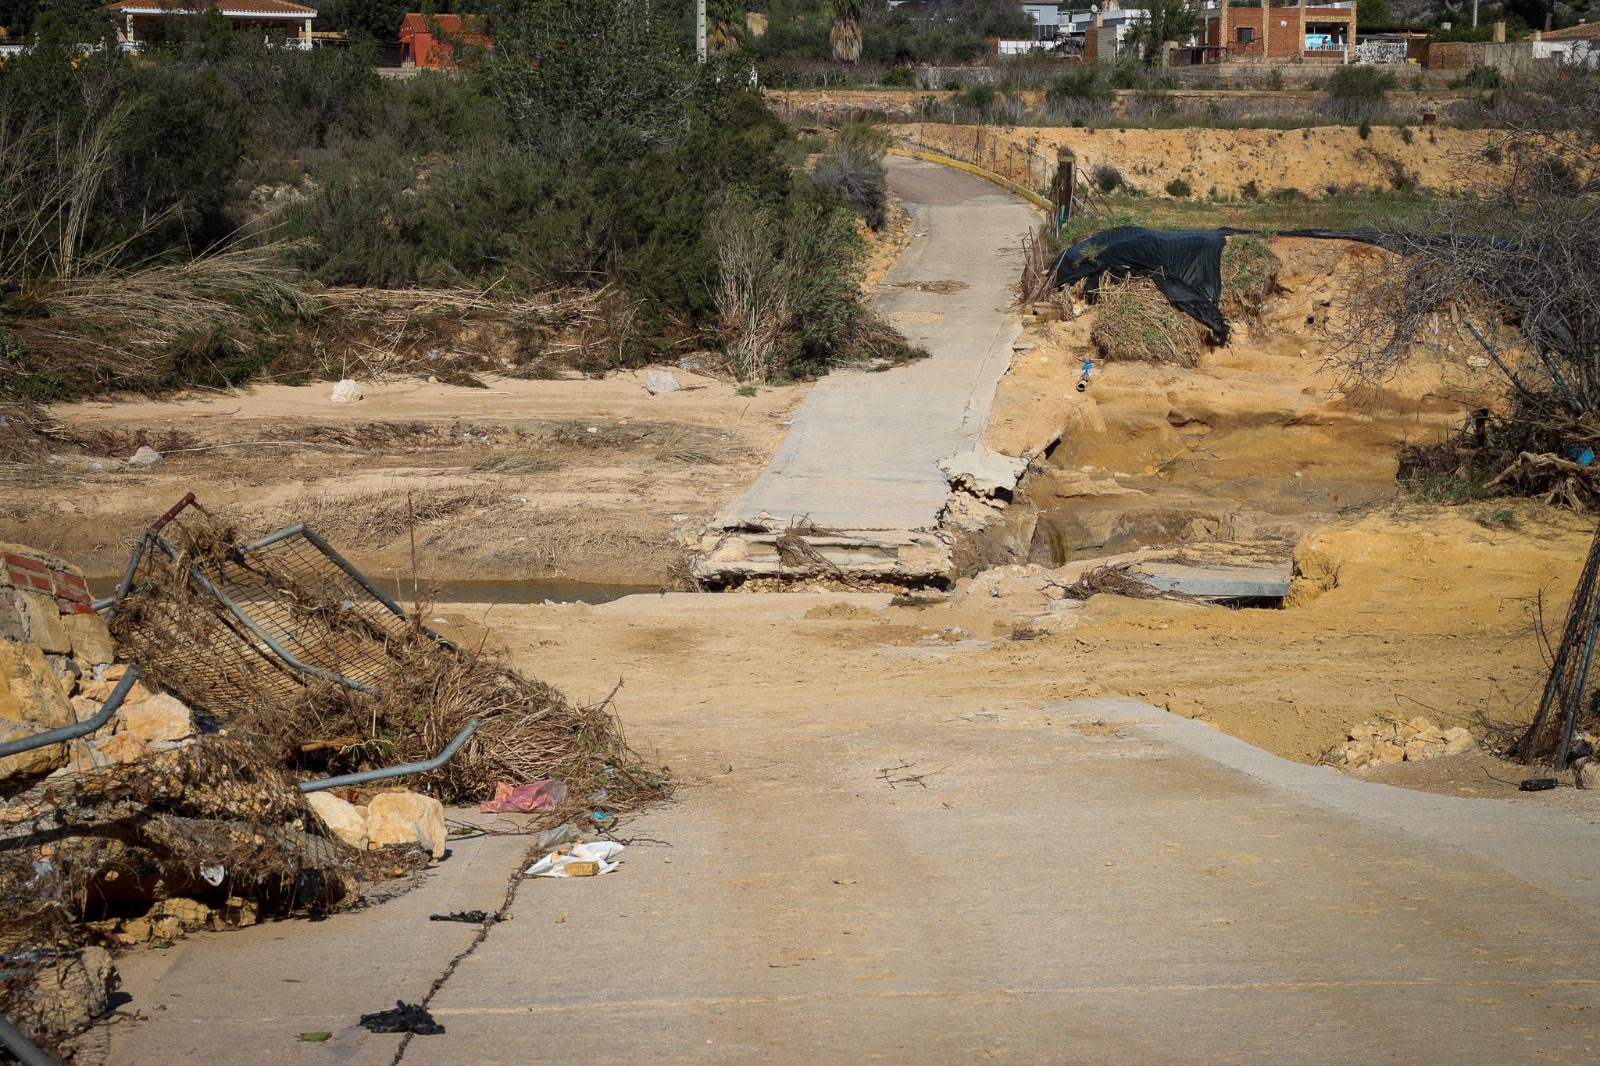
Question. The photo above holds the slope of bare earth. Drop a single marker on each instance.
(1259, 441)
(1316, 162)
(577, 479)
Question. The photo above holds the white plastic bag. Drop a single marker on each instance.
(347, 391)
(555, 863)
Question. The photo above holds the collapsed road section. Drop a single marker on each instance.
(862, 479)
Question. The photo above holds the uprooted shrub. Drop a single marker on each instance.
(1135, 323)
(1249, 274)
(419, 692)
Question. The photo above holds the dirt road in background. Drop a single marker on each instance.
(581, 479)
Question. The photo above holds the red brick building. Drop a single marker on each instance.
(1289, 33)
(429, 40)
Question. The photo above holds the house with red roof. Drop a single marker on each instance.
(137, 20)
(430, 40)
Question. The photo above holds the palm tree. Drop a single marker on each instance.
(846, 33)
(724, 25)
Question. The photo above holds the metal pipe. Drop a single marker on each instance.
(79, 729)
(26, 1051)
(126, 584)
(273, 538)
(394, 771)
(361, 579)
(267, 638)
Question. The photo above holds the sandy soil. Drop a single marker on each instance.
(1312, 161)
(1425, 611)
(581, 479)
(1400, 611)
(1257, 443)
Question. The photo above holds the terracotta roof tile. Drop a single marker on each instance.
(1582, 31)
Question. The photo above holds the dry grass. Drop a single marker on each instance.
(141, 329)
(373, 519)
(520, 463)
(426, 691)
(1249, 275)
(449, 333)
(1135, 323)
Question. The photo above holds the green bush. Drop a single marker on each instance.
(1359, 93)
(899, 77)
(1479, 77)
(1078, 93)
(1107, 178)
(853, 168)
(980, 97)
(1177, 187)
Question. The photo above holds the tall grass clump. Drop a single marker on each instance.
(853, 168)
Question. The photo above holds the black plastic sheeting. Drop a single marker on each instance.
(1185, 264)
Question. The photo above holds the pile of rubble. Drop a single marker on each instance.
(1385, 741)
(155, 824)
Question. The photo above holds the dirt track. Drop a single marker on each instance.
(580, 479)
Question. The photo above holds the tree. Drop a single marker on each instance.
(993, 18)
(1168, 20)
(845, 35)
(1513, 274)
(724, 25)
(1373, 13)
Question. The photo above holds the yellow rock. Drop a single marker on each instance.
(344, 820)
(46, 627)
(406, 817)
(29, 763)
(35, 690)
(160, 717)
(91, 640)
(122, 747)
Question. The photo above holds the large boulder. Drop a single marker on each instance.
(29, 690)
(344, 819)
(33, 762)
(405, 818)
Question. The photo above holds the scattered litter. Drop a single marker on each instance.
(554, 838)
(145, 456)
(469, 917)
(315, 1038)
(524, 799)
(657, 382)
(580, 860)
(213, 875)
(1538, 784)
(403, 1018)
(347, 391)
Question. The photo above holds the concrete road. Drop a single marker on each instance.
(864, 449)
(1095, 881)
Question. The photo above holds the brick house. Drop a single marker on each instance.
(1234, 34)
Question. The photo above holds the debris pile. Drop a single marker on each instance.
(1385, 741)
(150, 826)
(283, 643)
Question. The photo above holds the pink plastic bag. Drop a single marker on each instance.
(524, 799)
